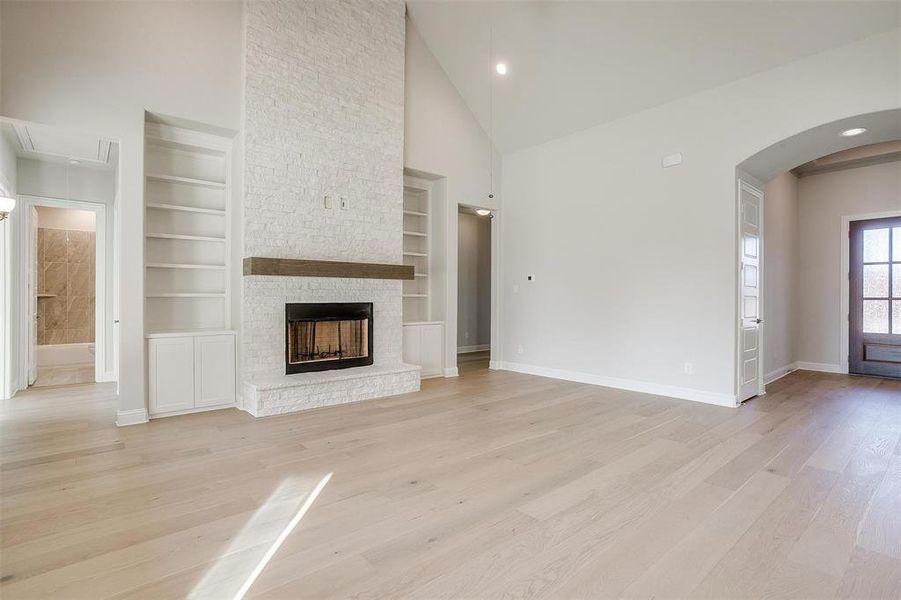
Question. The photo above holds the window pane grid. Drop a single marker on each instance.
(881, 281)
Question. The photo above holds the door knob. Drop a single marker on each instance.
(758, 321)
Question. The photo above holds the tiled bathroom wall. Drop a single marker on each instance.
(65, 286)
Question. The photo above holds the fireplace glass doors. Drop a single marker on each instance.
(325, 336)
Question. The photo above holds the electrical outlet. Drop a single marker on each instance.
(530, 278)
(328, 201)
(345, 203)
(519, 349)
(515, 288)
(466, 335)
(689, 368)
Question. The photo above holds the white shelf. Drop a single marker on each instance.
(416, 295)
(416, 234)
(184, 266)
(415, 213)
(187, 273)
(179, 236)
(183, 208)
(420, 275)
(187, 295)
(415, 253)
(185, 180)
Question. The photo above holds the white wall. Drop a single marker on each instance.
(474, 281)
(60, 180)
(9, 366)
(97, 66)
(71, 219)
(780, 275)
(823, 201)
(443, 138)
(636, 269)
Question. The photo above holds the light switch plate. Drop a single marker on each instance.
(345, 203)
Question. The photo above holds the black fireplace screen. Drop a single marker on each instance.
(324, 336)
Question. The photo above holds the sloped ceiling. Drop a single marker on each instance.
(573, 65)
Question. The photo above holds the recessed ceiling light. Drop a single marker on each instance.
(72, 161)
(483, 212)
(501, 68)
(854, 131)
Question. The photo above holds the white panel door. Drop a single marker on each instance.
(432, 350)
(214, 370)
(171, 374)
(750, 202)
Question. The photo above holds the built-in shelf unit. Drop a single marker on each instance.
(416, 248)
(187, 285)
(423, 332)
(186, 253)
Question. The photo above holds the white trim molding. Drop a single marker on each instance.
(476, 348)
(779, 373)
(821, 367)
(451, 372)
(136, 416)
(657, 389)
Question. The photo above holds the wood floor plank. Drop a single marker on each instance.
(493, 484)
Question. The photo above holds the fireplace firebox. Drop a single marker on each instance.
(325, 336)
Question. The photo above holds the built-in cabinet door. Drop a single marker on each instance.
(171, 374)
(432, 347)
(424, 346)
(412, 345)
(214, 370)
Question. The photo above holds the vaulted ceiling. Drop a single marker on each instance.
(573, 65)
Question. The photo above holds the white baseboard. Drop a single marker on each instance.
(495, 365)
(451, 372)
(476, 348)
(821, 367)
(135, 416)
(779, 373)
(625, 384)
(191, 411)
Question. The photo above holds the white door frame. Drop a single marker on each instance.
(494, 352)
(844, 301)
(743, 181)
(100, 283)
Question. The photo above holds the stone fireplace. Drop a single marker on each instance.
(323, 183)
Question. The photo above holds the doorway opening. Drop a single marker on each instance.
(818, 188)
(62, 276)
(61, 282)
(874, 317)
(473, 289)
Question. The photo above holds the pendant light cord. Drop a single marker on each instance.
(490, 112)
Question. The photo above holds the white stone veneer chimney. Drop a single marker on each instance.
(324, 115)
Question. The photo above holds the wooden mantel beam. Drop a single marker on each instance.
(292, 267)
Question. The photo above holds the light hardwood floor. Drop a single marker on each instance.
(494, 484)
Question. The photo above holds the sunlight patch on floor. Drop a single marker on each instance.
(256, 544)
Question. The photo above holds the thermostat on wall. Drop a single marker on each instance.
(671, 160)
